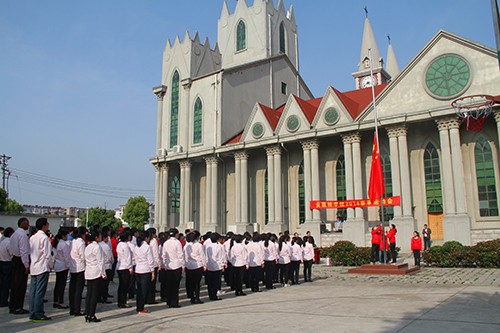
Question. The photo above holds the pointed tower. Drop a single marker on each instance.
(392, 66)
(362, 76)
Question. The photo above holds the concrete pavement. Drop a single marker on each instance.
(434, 300)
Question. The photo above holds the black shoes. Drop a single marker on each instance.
(92, 319)
(78, 314)
(124, 306)
(196, 301)
(174, 306)
(19, 312)
(240, 293)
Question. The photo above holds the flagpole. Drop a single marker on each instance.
(378, 147)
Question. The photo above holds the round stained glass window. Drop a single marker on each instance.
(331, 117)
(257, 130)
(292, 123)
(447, 76)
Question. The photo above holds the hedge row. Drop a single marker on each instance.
(454, 254)
(345, 253)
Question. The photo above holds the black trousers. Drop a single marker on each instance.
(163, 285)
(113, 268)
(5, 275)
(151, 296)
(294, 271)
(416, 255)
(392, 248)
(238, 276)
(105, 286)
(60, 286)
(18, 284)
(284, 277)
(375, 253)
(269, 272)
(123, 285)
(173, 281)
(193, 280)
(94, 288)
(76, 284)
(143, 281)
(255, 275)
(213, 280)
(307, 270)
(132, 289)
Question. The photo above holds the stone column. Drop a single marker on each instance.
(237, 189)
(348, 173)
(315, 179)
(311, 187)
(307, 180)
(214, 196)
(157, 194)
(164, 203)
(275, 223)
(447, 168)
(395, 172)
(160, 93)
(244, 189)
(185, 194)
(405, 173)
(358, 176)
(241, 192)
(278, 191)
(270, 185)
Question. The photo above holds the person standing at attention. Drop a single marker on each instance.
(416, 247)
(95, 273)
(391, 236)
(173, 258)
(144, 269)
(20, 249)
(40, 267)
(426, 234)
(123, 268)
(62, 259)
(77, 272)
(376, 237)
(5, 266)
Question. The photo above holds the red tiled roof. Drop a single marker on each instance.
(272, 116)
(234, 139)
(309, 107)
(356, 101)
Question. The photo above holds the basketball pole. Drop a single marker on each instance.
(384, 253)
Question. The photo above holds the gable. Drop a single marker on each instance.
(260, 124)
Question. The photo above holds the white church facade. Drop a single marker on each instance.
(243, 145)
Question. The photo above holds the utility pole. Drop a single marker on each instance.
(3, 160)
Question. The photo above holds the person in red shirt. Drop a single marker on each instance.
(416, 247)
(384, 245)
(391, 236)
(376, 237)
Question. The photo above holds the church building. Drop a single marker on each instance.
(243, 145)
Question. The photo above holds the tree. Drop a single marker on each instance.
(136, 212)
(13, 206)
(101, 217)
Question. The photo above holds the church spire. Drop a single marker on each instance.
(392, 66)
(369, 42)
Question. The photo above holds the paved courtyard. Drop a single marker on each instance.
(434, 300)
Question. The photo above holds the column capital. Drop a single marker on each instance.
(310, 144)
(185, 164)
(273, 150)
(351, 138)
(395, 131)
(241, 155)
(446, 122)
(210, 160)
(160, 92)
(160, 166)
(496, 115)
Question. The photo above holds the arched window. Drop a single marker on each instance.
(386, 170)
(174, 110)
(282, 38)
(198, 121)
(241, 38)
(485, 176)
(266, 199)
(175, 195)
(341, 185)
(302, 195)
(432, 172)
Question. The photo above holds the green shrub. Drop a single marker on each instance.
(345, 253)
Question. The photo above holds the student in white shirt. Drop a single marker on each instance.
(162, 236)
(173, 259)
(308, 258)
(62, 259)
(196, 264)
(39, 267)
(155, 250)
(238, 257)
(255, 261)
(77, 272)
(270, 258)
(144, 269)
(108, 264)
(132, 244)
(296, 258)
(5, 266)
(284, 259)
(123, 268)
(216, 259)
(95, 273)
(19, 247)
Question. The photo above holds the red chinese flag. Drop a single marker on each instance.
(376, 188)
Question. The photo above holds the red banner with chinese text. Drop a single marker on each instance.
(359, 203)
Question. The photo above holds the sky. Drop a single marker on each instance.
(77, 112)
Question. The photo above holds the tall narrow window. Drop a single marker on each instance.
(241, 38)
(432, 172)
(302, 195)
(341, 186)
(266, 199)
(485, 176)
(282, 38)
(198, 121)
(386, 170)
(175, 195)
(174, 110)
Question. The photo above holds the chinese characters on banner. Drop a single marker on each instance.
(360, 203)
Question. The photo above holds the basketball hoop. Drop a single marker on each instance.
(474, 110)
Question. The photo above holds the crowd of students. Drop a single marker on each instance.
(141, 259)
